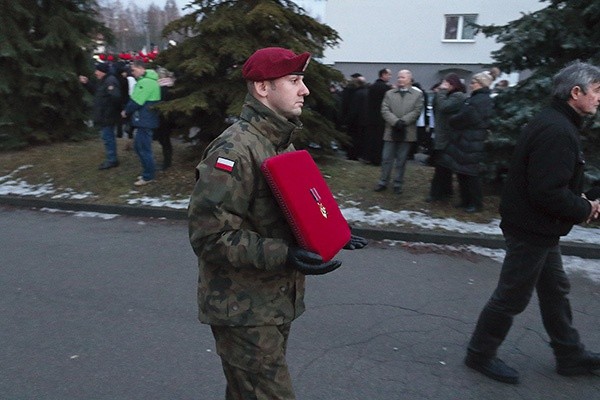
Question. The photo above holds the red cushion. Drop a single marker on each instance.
(307, 202)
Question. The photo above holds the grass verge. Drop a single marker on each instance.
(73, 167)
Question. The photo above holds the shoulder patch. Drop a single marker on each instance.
(224, 164)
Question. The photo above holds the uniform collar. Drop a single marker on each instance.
(277, 129)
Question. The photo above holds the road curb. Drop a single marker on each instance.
(134, 211)
(583, 250)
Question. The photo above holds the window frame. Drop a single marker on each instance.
(460, 27)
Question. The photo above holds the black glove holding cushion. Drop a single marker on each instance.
(310, 263)
(356, 242)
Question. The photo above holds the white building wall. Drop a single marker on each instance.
(412, 31)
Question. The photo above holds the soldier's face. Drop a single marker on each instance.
(285, 95)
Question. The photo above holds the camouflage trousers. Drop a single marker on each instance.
(253, 360)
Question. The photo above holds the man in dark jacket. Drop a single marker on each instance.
(121, 72)
(354, 115)
(541, 202)
(376, 124)
(106, 109)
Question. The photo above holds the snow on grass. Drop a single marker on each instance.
(373, 217)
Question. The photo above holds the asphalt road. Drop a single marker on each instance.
(105, 309)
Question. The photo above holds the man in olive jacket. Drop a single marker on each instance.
(251, 274)
(541, 201)
(376, 124)
(400, 109)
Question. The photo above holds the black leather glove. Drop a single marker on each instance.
(593, 193)
(356, 242)
(310, 263)
(400, 124)
(399, 131)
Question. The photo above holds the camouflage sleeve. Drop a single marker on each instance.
(219, 228)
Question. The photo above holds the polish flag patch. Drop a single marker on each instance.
(224, 164)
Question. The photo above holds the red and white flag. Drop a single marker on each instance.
(224, 164)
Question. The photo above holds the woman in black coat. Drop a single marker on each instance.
(466, 150)
(449, 98)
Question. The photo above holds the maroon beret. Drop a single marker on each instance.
(272, 63)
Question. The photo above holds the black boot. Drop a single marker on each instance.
(167, 158)
(492, 367)
(580, 364)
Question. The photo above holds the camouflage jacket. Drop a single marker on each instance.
(238, 231)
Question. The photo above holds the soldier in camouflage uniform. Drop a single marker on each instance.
(251, 280)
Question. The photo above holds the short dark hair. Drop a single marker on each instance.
(138, 63)
(384, 71)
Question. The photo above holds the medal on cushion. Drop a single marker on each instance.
(317, 197)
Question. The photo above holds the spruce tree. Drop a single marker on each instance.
(221, 35)
(542, 42)
(44, 46)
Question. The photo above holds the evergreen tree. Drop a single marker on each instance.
(42, 51)
(542, 42)
(221, 35)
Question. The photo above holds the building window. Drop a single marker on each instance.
(460, 27)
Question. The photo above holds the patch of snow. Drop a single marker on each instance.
(373, 217)
(376, 216)
(82, 214)
(589, 268)
(161, 202)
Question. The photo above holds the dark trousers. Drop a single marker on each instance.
(527, 267)
(124, 126)
(356, 148)
(441, 183)
(253, 359)
(470, 190)
(374, 144)
(164, 138)
(424, 139)
(394, 152)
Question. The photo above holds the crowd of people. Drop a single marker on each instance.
(388, 123)
(124, 99)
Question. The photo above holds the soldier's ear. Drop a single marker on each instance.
(261, 88)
